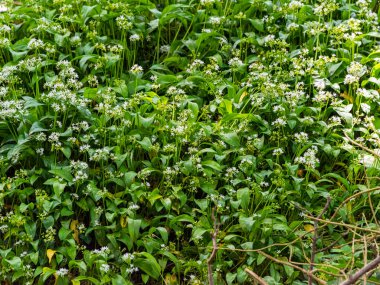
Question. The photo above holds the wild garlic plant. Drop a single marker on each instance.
(125, 124)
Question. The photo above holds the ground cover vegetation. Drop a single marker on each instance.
(187, 142)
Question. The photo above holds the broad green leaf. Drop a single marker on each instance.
(231, 138)
(147, 263)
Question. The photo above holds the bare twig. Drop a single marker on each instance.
(214, 248)
(315, 237)
(256, 277)
(342, 225)
(333, 243)
(315, 278)
(353, 278)
(365, 258)
(352, 197)
(361, 146)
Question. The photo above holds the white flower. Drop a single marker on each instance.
(136, 69)
(350, 79)
(134, 38)
(35, 44)
(301, 137)
(278, 151)
(215, 20)
(309, 158)
(104, 268)
(127, 257)
(62, 272)
(365, 107)
(235, 63)
(279, 122)
(320, 84)
(207, 2)
(165, 48)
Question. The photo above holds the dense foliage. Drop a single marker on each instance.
(124, 125)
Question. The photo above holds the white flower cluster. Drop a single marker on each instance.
(35, 44)
(278, 151)
(62, 89)
(279, 122)
(301, 137)
(355, 71)
(103, 251)
(207, 2)
(12, 109)
(136, 69)
(309, 158)
(124, 22)
(62, 272)
(235, 63)
(196, 64)
(79, 170)
(100, 154)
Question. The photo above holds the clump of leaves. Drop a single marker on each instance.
(124, 125)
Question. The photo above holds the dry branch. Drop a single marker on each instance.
(214, 249)
(353, 278)
(256, 277)
(343, 225)
(362, 146)
(315, 278)
(315, 238)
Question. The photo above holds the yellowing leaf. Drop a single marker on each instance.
(74, 228)
(75, 282)
(245, 93)
(347, 97)
(171, 279)
(50, 253)
(309, 228)
(123, 222)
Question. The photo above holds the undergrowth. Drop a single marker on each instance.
(124, 125)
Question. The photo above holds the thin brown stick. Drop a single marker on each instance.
(365, 258)
(341, 274)
(315, 278)
(361, 146)
(256, 277)
(353, 278)
(214, 249)
(352, 197)
(333, 243)
(315, 238)
(343, 225)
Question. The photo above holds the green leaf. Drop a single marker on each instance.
(231, 138)
(182, 218)
(85, 278)
(146, 143)
(147, 263)
(31, 102)
(37, 127)
(244, 195)
(134, 228)
(15, 262)
(154, 195)
(230, 277)
(260, 259)
(289, 270)
(246, 223)
(198, 233)
(58, 188)
(212, 164)
(63, 172)
(258, 24)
